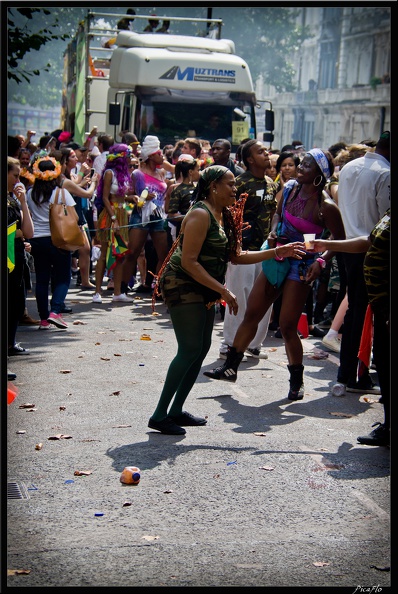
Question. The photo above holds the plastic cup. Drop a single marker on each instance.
(309, 239)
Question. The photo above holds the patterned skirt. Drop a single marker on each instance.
(105, 224)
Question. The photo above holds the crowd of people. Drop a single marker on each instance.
(207, 231)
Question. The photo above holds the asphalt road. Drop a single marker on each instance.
(270, 493)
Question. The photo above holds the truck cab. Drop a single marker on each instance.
(179, 86)
(170, 85)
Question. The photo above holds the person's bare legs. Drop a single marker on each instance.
(136, 243)
(293, 302)
(100, 267)
(141, 265)
(159, 240)
(84, 263)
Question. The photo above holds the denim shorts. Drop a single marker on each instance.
(298, 268)
(135, 223)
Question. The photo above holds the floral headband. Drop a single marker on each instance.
(121, 155)
(321, 161)
(49, 174)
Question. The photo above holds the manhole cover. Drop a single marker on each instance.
(17, 490)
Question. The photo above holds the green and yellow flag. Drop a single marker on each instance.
(11, 231)
(116, 251)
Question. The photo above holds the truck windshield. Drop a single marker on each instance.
(174, 121)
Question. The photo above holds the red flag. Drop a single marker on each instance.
(365, 347)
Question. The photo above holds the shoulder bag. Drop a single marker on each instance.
(65, 231)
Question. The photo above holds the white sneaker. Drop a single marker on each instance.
(338, 389)
(97, 298)
(332, 343)
(123, 298)
(224, 356)
(256, 353)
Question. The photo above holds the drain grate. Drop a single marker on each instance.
(17, 490)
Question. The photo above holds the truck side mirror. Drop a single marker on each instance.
(114, 114)
(268, 136)
(269, 120)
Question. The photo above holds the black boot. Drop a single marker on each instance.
(296, 391)
(229, 370)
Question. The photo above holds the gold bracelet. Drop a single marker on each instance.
(276, 253)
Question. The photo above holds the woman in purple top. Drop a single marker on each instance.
(304, 208)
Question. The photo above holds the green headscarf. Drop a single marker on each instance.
(207, 176)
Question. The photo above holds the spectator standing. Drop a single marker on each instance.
(221, 153)
(304, 208)
(182, 193)
(51, 264)
(152, 24)
(271, 169)
(364, 197)
(114, 190)
(105, 141)
(151, 175)
(377, 270)
(192, 146)
(81, 195)
(286, 168)
(258, 211)
(17, 212)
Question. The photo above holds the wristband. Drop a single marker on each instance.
(321, 262)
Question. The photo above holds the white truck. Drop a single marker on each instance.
(171, 86)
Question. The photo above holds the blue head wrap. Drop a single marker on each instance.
(321, 161)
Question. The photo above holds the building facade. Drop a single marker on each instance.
(342, 79)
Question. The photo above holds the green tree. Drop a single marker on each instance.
(267, 38)
(37, 39)
(22, 40)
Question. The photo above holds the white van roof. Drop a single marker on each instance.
(160, 67)
(131, 39)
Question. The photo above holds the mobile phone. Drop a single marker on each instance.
(92, 172)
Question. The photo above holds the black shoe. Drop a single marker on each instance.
(296, 391)
(66, 309)
(11, 376)
(228, 371)
(278, 334)
(222, 373)
(296, 394)
(17, 350)
(317, 332)
(185, 419)
(166, 426)
(363, 386)
(378, 437)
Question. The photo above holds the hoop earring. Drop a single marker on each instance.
(320, 181)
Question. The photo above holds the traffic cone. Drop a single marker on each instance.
(12, 392)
